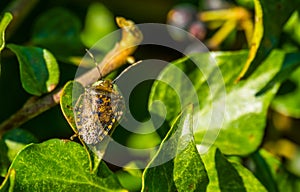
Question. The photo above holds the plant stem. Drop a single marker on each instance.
(131, 37)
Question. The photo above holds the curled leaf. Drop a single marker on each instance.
(5, 20)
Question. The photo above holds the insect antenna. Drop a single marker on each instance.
(125, 70)
(92, 56)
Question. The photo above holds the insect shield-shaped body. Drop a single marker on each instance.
(97, 111)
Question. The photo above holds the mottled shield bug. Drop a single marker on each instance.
(98, 110)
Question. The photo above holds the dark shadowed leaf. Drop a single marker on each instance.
(290, 64)
(59, 31)
(16, 139)
(287, 101)
(228, 176)
(38, 69)
(4, 161)
(277, 177)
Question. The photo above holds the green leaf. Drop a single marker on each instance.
(284, 180)
(129, 181)
(4, 161)
(186, 172)
(9, 182)
(99, 22)
(292, 27)
(189, 171)
(228, 176)
(130, 176)
(263, 172)
(267, 32)
(58, 28)
(16, 139)
(69, 96)
(287, 101)
(58, 165)
(290, 64)
(5, 20)
(38, 69)
(243, 125)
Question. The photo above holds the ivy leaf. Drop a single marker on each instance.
(38, 69)
(58, 163)
(5, 20)
(186, 172)
(228, 176)
(244, 113)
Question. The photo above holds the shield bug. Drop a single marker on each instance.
(98, 110)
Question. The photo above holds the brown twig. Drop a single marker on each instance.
(131, 37)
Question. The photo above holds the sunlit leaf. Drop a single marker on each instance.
(9, 181)
(69, 96)
(98, 23)
(267, 32)
(186, 172)
(244, 113)
(58, 163)
(292, 27)
(4, 22)
(130, 181)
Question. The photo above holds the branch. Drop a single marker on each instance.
(131, 37)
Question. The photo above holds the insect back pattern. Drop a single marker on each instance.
(97, 111)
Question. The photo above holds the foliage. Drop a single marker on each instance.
(212, 148)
